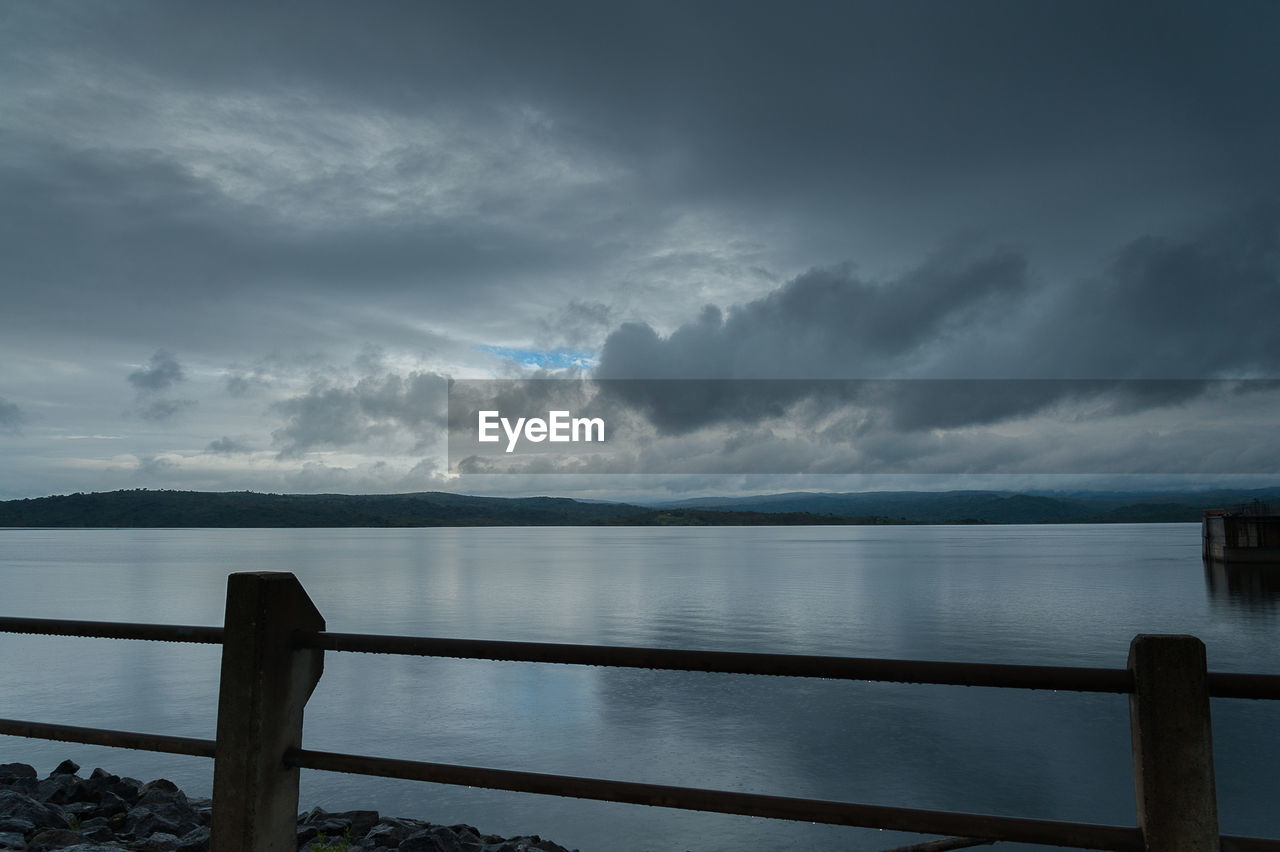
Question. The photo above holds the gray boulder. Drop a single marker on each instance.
(12, 840)
(20, 807)
(54, 838)
(195, 840)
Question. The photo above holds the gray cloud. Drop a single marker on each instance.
(376, 408)
(10, 417)
(1184, 307)
(580, 323)
(163, 409)
(413, 176)
(1168, 314)
(238, 384)
(227, 446)
(153, 466)
(826, 323)
(162, 372)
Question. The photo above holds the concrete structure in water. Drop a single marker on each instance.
(1249, 534)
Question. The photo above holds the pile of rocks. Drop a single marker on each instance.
(106, 813)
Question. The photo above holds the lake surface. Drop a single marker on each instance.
(1054, 595)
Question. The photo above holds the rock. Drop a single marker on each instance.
(359, 821)
(459, 838)
(437, 839)
(142, 822)
(164, 785)
(110, 814)
(12, 840)
(16, 806)
(161, 807)
(162, 792)
(57, 789)
(54, 838)
(468, 837)
(79, 810)
(110, 804)
(384, 834)
(102, 782)
(12, 773)
(102, 833)
(305, 834)
(160, 841)
(203, 808)
(195, 840)
(23, 784)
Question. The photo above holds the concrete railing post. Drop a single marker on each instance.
(265, 685)
(1172, 744)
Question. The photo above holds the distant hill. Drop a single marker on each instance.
(712, 518)
(141, 508)
(248, 509)
(992, 507)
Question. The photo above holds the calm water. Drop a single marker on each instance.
(1059, 595)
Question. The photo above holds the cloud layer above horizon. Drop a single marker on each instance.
(246, 248)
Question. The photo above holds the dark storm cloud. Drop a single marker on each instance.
(10, 417)
(825, 124)
(826, 323)
(1168, 315)
(137, 238)
(899, 72)
(443, 177)
(374, 408)
(162, 372)
(1188, 306)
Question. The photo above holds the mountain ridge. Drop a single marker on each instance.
(247, 509)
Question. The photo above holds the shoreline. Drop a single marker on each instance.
(103, 812)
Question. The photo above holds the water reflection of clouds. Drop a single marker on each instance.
(1057, 595)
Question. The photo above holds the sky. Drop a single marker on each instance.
(245, 246)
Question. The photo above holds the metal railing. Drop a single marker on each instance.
(274, 639)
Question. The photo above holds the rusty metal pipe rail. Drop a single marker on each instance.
(721, 801)
(103, 737)
(113, 630)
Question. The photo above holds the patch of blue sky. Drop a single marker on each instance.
(545, 359)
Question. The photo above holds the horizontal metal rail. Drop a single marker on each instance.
(1222, 685)
(1049, 832)
(1232, 685)
(103, 737)
(735, 662)
(1074, 679)
(1234, 843)
(1068, 678)
(113, 630)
